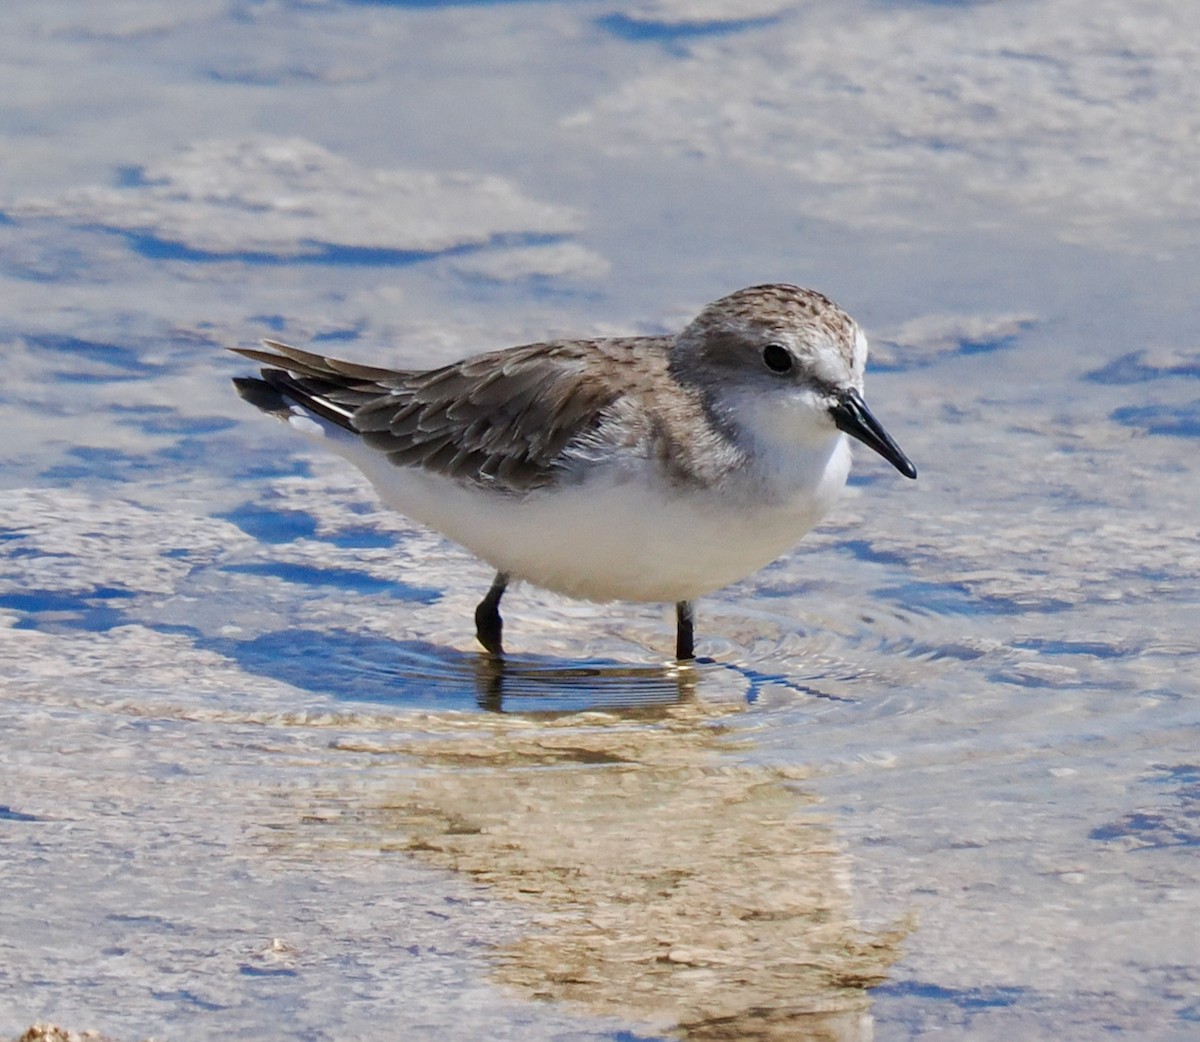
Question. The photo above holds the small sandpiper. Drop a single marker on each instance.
(654, 468)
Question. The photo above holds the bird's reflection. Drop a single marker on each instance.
(552, 687)
(680, 884)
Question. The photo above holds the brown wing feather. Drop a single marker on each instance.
(502, 418)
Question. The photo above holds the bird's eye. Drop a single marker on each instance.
(777, 358)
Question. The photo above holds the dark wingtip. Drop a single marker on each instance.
(277, 392)
(262, 395)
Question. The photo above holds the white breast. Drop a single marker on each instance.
(626, 533)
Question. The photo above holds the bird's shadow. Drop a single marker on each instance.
(419, 674)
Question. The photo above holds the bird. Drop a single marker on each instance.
(638, 468)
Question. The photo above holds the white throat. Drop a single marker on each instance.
(798, 456)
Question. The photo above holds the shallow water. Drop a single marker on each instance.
(936, 772)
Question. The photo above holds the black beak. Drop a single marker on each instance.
(852, 416)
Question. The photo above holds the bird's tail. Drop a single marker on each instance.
(325, 387)
(262, 395)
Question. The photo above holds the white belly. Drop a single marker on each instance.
(621, 536)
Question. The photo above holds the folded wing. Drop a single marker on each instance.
(501, 419)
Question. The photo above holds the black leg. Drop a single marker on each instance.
(488, 624)
(685, 625)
